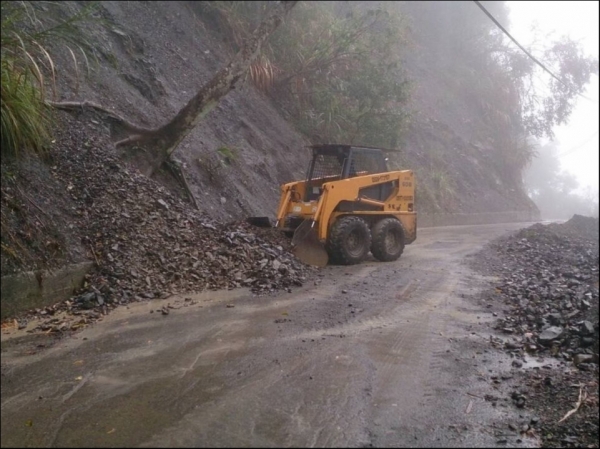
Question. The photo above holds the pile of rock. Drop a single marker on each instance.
(550, 279)
(147, 243)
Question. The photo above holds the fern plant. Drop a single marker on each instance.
(28, 69)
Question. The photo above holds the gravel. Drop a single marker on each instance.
(549, 291)
(147, 243)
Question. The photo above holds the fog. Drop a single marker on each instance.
(576, 144)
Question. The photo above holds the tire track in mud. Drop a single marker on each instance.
(411, 353)
(401, 337)
(379, 318)
(323, 423)
(273, 407)
(416, 392)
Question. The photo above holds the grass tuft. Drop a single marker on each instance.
(27, 68)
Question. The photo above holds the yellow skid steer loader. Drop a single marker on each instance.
(348, 205)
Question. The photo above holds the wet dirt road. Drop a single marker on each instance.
(379, 354)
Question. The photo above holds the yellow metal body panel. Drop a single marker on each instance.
(400, 203)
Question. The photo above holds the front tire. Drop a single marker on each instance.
(388, 240)
(349, 241)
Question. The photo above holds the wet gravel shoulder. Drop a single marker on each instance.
(542, 304)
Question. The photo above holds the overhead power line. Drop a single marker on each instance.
(578, 146)
(493, 19)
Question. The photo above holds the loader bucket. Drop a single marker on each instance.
(307, 247)
(261, 222)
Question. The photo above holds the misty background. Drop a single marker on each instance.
(563, 178)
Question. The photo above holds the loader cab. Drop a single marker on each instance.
(335, 162)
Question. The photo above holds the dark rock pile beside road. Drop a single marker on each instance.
(550, 280)
(549, 288)
(147, 243)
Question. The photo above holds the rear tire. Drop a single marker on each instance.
(388, 240)
(349, 241)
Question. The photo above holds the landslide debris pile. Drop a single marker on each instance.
(149, 244)
(550, 279)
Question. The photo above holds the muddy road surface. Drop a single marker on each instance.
(379, 354)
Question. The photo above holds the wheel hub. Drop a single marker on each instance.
(354, 242)
(391, 241)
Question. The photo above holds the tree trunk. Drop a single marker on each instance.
(151, 149)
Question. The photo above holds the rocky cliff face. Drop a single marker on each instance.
(152, 59)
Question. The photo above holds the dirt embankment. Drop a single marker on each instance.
(152, 58)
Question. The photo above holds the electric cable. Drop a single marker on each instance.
(493, 19)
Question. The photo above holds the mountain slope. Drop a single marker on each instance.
(152, 56)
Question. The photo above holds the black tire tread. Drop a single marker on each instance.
(336, 240)
(378, 232)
